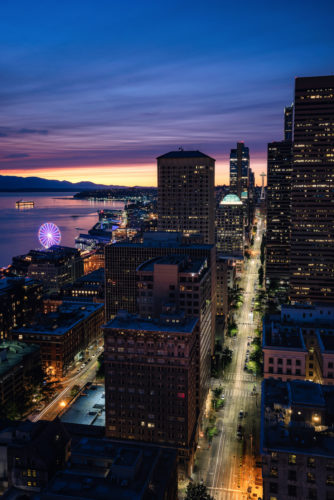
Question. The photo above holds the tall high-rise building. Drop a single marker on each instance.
(186, 197)
(151, 381)
(185, 284)
(122, 260)
(230, 226)
(288, 122)
(239, 169)
(279, 210)
(312, 195)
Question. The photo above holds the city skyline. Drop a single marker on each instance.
(115, 87)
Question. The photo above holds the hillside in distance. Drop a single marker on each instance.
(11, 183)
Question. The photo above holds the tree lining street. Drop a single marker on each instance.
(227, 466)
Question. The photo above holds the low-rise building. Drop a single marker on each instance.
(89, 287)
(297, 440)
(64, 334)
(107, 468)
(17, 362)
(54, 266)
(20, 300)
(31, 453)
(297, 343)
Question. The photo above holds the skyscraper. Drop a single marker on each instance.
(186, 196)
(239, 169)
(230, 226)
(122, 260)
(279, 210)
(185, 284)
(151, 381)
(288, 122)
(312, 196)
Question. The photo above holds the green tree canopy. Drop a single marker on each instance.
(197, 491)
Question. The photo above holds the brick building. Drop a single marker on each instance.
(297, 344)
(20, 300)
(297, 441)
(150, 377)
(64, 334)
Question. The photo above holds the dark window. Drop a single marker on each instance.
(292, 490)
(298, 362)
(273, 487)
(297, 371)
(271, 369)
(312, 494)
(292, 475)
(271, 360)
(279, 361)
(330, 365)
(311, 462)
(288, 361)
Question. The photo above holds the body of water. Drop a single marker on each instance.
(19, 228)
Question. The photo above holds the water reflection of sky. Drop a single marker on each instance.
(19, 227)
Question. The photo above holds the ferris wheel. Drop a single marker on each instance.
(49, 234)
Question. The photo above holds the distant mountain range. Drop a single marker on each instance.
(13, 183)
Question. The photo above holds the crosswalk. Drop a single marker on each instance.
(239, 377)
(237, 392)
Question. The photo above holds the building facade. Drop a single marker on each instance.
(297, 442)
(230, 227)
(297, 344)
(239, 169)
(186, 193)
(184, 284)
(288, 123)
(20, 300)
(64, 334)
(122, 260)
(278, 233)
(150, 379)
(53, 267)
(312, 195)
(18, 361)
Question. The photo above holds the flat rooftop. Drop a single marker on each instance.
(8, 283)
(326, 342)
(94, 276)
(303, 392)
(88, 408)
(279, 336)
(186, 265)
(118, 469)
(126, 321)
(161, 239)
(286, 417)
(68, 315)
(184, 154)
(12, 353)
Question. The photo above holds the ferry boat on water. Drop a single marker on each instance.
(21, 204)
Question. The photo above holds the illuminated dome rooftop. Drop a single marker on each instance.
(231, 199)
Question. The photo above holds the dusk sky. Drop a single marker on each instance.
(96, 90)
